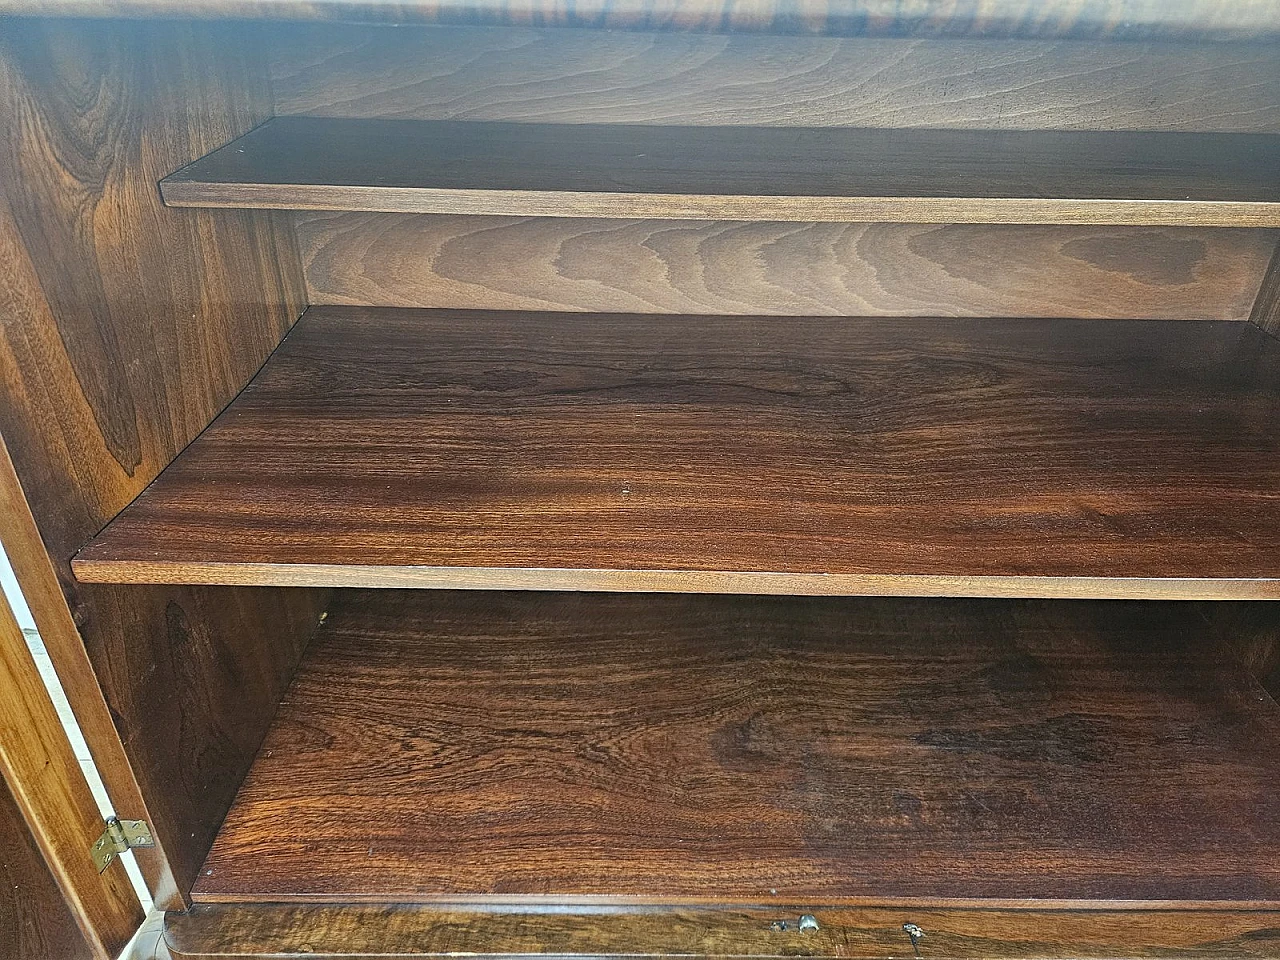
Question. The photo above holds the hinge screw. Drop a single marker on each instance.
(916, 935)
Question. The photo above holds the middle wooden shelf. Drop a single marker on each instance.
(1056, 458)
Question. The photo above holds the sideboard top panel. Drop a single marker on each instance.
(1077, 19)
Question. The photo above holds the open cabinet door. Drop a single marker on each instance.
(54, 903)
(35, 922)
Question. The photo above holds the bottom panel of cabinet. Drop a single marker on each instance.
(368, 931)
(629, 749)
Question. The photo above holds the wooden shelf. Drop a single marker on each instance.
(568, 748)
(742, 173)
(1062, 458)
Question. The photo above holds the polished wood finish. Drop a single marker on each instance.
(353, 931)
(126, 327)
(576, 451)
(1094, 19)
(35, 923)
(40, 770)
(660, 266)
(826, 174)
(532, 75)
(574, 748)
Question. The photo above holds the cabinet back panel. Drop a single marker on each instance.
(590, 76)
(663, 266)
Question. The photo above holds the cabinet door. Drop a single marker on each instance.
(35, 922)
(53, 902)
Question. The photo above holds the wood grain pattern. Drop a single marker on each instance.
(35, 923)
(572, 748)
(595, 76)
(353, 931)
(741, 173)
(660, 266)
(42, 773)
(1097, 19)
(124, 328)
(579, 451)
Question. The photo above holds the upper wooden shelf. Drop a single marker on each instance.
(1092, 19)
(742, 173)
(1057, 458)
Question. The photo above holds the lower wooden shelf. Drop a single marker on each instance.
(571, 749)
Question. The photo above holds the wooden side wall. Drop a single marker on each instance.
(1266, 308)
(124, 328)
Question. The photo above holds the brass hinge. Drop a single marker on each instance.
(120, 835)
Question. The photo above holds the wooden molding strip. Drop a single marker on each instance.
(243, 932)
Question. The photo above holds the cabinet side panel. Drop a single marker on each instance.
(1250, 634)
(1266, 307)
(124, 328)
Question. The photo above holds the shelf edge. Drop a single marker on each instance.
(674, 581)
(659, 206)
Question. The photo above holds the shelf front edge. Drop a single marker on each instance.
(674, 581)
(801, 209)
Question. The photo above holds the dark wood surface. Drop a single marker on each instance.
(126, 327)
(661, 266)
(35, 923)
(742, 173)
(1098, 19)
(42, 773)
(575, 748)
(230, 932)
(532, 75)
(561, 451)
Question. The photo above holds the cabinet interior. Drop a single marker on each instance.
(601, 492)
